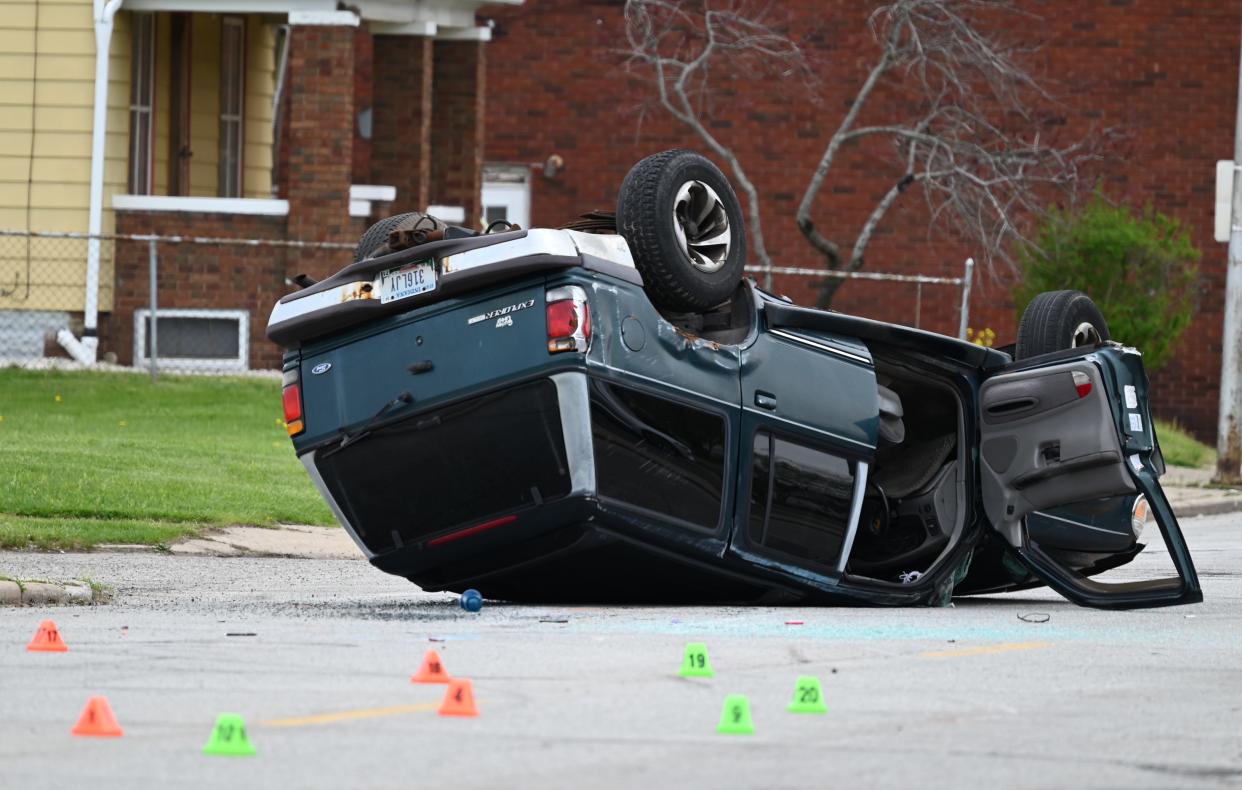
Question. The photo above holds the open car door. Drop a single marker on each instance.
(1068, 428)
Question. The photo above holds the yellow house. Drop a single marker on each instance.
(149, 107)
(189, 113)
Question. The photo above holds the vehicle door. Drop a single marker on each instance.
(1068, 430)
(809, 423)
(664, 420)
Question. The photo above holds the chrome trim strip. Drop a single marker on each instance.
(308, 461)
(575, 407)
(860, 487)
(822, 347)
(539, 241)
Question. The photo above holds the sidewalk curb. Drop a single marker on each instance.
(14, 592)
(1209, 509)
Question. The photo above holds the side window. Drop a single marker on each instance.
(141, 100)
(658, 455)
(232, 104)
(799, 501)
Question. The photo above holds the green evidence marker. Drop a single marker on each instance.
(695, 664)
(808, 696)
(228, 738)
(735, 718)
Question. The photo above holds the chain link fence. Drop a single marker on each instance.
(165, 303)
(964, 283)
(199, 304)
(42, 287)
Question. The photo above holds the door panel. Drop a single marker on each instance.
(1067, 433)
(1048, 439)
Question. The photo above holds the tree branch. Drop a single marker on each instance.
(665, 37)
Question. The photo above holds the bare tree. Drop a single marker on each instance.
(682, 48)
(969, 141)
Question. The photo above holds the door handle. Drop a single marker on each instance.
(765, 400)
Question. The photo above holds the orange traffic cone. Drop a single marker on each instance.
(459, 699)
(98, 720)
(47, 639)
(432, 670)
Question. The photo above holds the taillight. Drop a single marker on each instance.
(291, 399)
(562, 319)
(569, 319)
(1082, 383)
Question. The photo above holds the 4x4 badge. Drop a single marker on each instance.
(322, 367)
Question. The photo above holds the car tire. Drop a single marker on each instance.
(684, 226)
(375, 241)
(1057, 320)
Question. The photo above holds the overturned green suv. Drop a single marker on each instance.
(610, 412)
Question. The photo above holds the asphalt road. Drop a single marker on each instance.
(316, 656)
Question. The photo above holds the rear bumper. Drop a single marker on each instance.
(351, 296)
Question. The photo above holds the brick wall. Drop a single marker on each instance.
(198, 275)
(320, 142)
(402, 100)
(1163, 75)
(457, 125)
(364, 78)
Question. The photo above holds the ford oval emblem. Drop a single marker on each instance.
(322, 367)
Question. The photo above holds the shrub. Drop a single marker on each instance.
(1139, 268)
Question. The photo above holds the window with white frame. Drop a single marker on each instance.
(193, 339)
(232, 101)
(141, 93)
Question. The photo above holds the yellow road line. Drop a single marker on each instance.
(350, 715)
(1006, 647)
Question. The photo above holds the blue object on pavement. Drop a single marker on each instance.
(471, 600)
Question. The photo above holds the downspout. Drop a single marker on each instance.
(84, 350)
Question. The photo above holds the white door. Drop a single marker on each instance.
(506, 200)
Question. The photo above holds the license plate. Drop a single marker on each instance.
(408, 280)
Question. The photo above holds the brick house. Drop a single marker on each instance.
(1162, 74)
(243, 119)
(525, 112)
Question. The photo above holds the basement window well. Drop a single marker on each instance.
(217, 340)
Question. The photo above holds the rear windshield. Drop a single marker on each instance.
(453, 467)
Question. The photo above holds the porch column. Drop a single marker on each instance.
(402, 109)
(320, 137)
(457, 125)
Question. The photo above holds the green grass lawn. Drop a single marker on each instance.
(1182, 449)
(89, 458)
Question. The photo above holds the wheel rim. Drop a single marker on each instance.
(1085, 335)
(702, 226)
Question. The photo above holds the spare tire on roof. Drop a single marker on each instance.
(684, 226)
(1057, 320)
(374, 242)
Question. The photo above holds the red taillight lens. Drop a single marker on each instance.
(1082, 383)
(562, 319)
(569, 319)
(291, 398)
